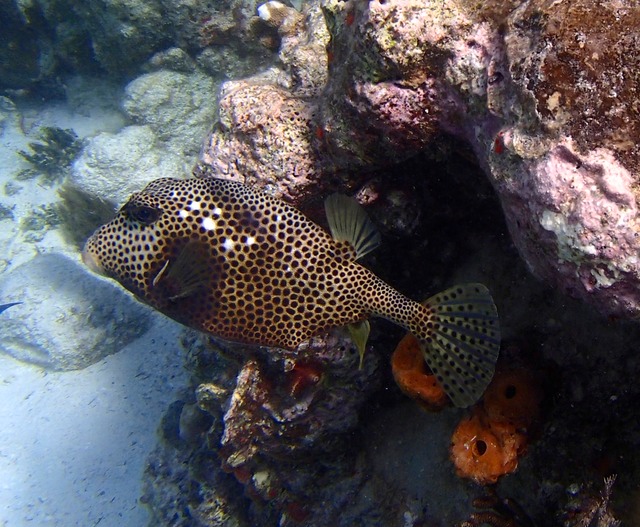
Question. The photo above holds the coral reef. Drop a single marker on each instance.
(267, 124)
(396, 467)
(46, 40)
(541, 94)
(281, 427)
(549, 117)
(116, 165)
(178, 107)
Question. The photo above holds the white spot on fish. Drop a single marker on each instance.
(217, 211)
(194, 205)
(228, 244)
(183, 214)
(250, 240)
(209, 224)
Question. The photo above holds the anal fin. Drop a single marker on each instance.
(359, 332)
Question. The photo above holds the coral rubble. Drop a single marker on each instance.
(281, 428)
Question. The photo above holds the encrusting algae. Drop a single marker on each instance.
(239, 264)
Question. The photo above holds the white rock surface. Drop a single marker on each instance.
(113, 166)
(180, 108)
(68, 318)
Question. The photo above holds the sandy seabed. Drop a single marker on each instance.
(73, 444)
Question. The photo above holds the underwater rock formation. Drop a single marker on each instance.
(117, 165)
(266, 130)
(67, 319)
(281, 422)
(178, 107)
(45, 40)
(544, 94)
(172, 112)
(541, 94)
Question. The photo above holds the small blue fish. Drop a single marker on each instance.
(4, 307)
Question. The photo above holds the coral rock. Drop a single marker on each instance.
(267, 128)
(542, 92)
(263, 138)
(92, 318)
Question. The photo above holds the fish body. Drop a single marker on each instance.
(4, 307)
(239, 264)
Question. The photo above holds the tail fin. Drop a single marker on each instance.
(462, 341)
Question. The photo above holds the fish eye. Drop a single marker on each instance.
(142, 213)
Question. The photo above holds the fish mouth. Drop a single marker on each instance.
(92, 262)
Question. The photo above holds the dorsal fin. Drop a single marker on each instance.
(349, 222)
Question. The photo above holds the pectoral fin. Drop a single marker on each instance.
(188, 274)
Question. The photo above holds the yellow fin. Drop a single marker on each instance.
(187, 274)
(464, 341)
(349, 222)
(359, 332)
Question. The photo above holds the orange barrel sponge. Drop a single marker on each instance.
(414, 378)
(514, 396)
(484, 453)
(488, 444)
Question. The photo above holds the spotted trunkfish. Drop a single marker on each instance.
(232, 261)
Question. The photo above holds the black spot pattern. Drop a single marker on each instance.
(275, 278)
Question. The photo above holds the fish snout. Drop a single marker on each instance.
(91, 261)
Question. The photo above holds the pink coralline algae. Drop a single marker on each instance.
(545, 93)
(266, 128)
(263, 138)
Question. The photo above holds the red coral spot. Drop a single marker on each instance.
(303, 376)
(498, 143)
(242, 474)
(297, 512)
(350, 18)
